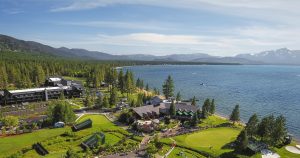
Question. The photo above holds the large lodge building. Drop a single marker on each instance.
(53, 88)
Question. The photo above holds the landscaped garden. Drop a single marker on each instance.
(58, 141)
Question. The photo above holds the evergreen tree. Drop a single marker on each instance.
(105, 102)
(265, 128)
(113, 97)
(121, 82)
(235, 115)
(172, 109)
(3, 78)
(195, 120)
(132, 103)
(88, 101)
(252, 125)
(168, 87)
(212, 108)
(205, 108)
(178, 97)
(99, 102)
(61, 111)
(194, 101)
(138, 83)
(279, 131)
(147, 87)
(139, 101)
(129, 82)
(242, 141)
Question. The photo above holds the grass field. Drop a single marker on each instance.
(212, 121)
(57, 144)
(211, 140)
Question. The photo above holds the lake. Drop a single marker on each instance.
(261, 89)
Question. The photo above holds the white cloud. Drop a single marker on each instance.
(242, 40)
(120, 24)
(275, 10)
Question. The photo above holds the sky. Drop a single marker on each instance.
(158, 27)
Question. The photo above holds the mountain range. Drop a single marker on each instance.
(279, 56)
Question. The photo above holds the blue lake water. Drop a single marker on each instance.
(257, 89)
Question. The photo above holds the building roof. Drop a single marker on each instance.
(82, 125)
(183, 106)
(143, 110)
(38, 89)
(93, 140)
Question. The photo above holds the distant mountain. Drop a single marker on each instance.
(279, 56)
(13, 44)
(227, 60)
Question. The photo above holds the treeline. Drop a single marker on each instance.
(22, 70)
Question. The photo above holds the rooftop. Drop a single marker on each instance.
(38, 89)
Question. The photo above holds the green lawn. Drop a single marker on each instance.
(286, 154)
(212, 121)
(56, 144)
(12, 144)
(176, 153)
(211, 140)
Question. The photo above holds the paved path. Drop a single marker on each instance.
(169, 152)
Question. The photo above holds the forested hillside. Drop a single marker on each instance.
(23, 70)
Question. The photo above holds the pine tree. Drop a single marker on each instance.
(178, 97)
(252, 125)
(105, 102)
(147, 87)
(212, 108)
(279, 131)
(194, 101)
(121, 84)
(195, 120)
(99, 102)
(3, 78)
(87, 101)
(235, 115)
(242, 141)
(205, 108)
(168, 87)
(172, 109)
(113, 97)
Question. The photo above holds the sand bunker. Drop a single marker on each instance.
(298, 146)
(269, 154)
(292, 149)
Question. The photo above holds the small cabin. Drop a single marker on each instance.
(93, 141)
(40, 149)
(82, 125)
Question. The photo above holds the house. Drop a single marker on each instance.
(184, 110)
(82, 125)
(59, 124)
(93, 141)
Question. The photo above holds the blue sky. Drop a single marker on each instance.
(159, 27)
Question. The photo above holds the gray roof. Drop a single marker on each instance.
(146, 109)
(181, 106)
(156, 109)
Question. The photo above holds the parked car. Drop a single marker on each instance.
(59, 124)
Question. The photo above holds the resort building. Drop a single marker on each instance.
(53, 89)
(184, 110)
